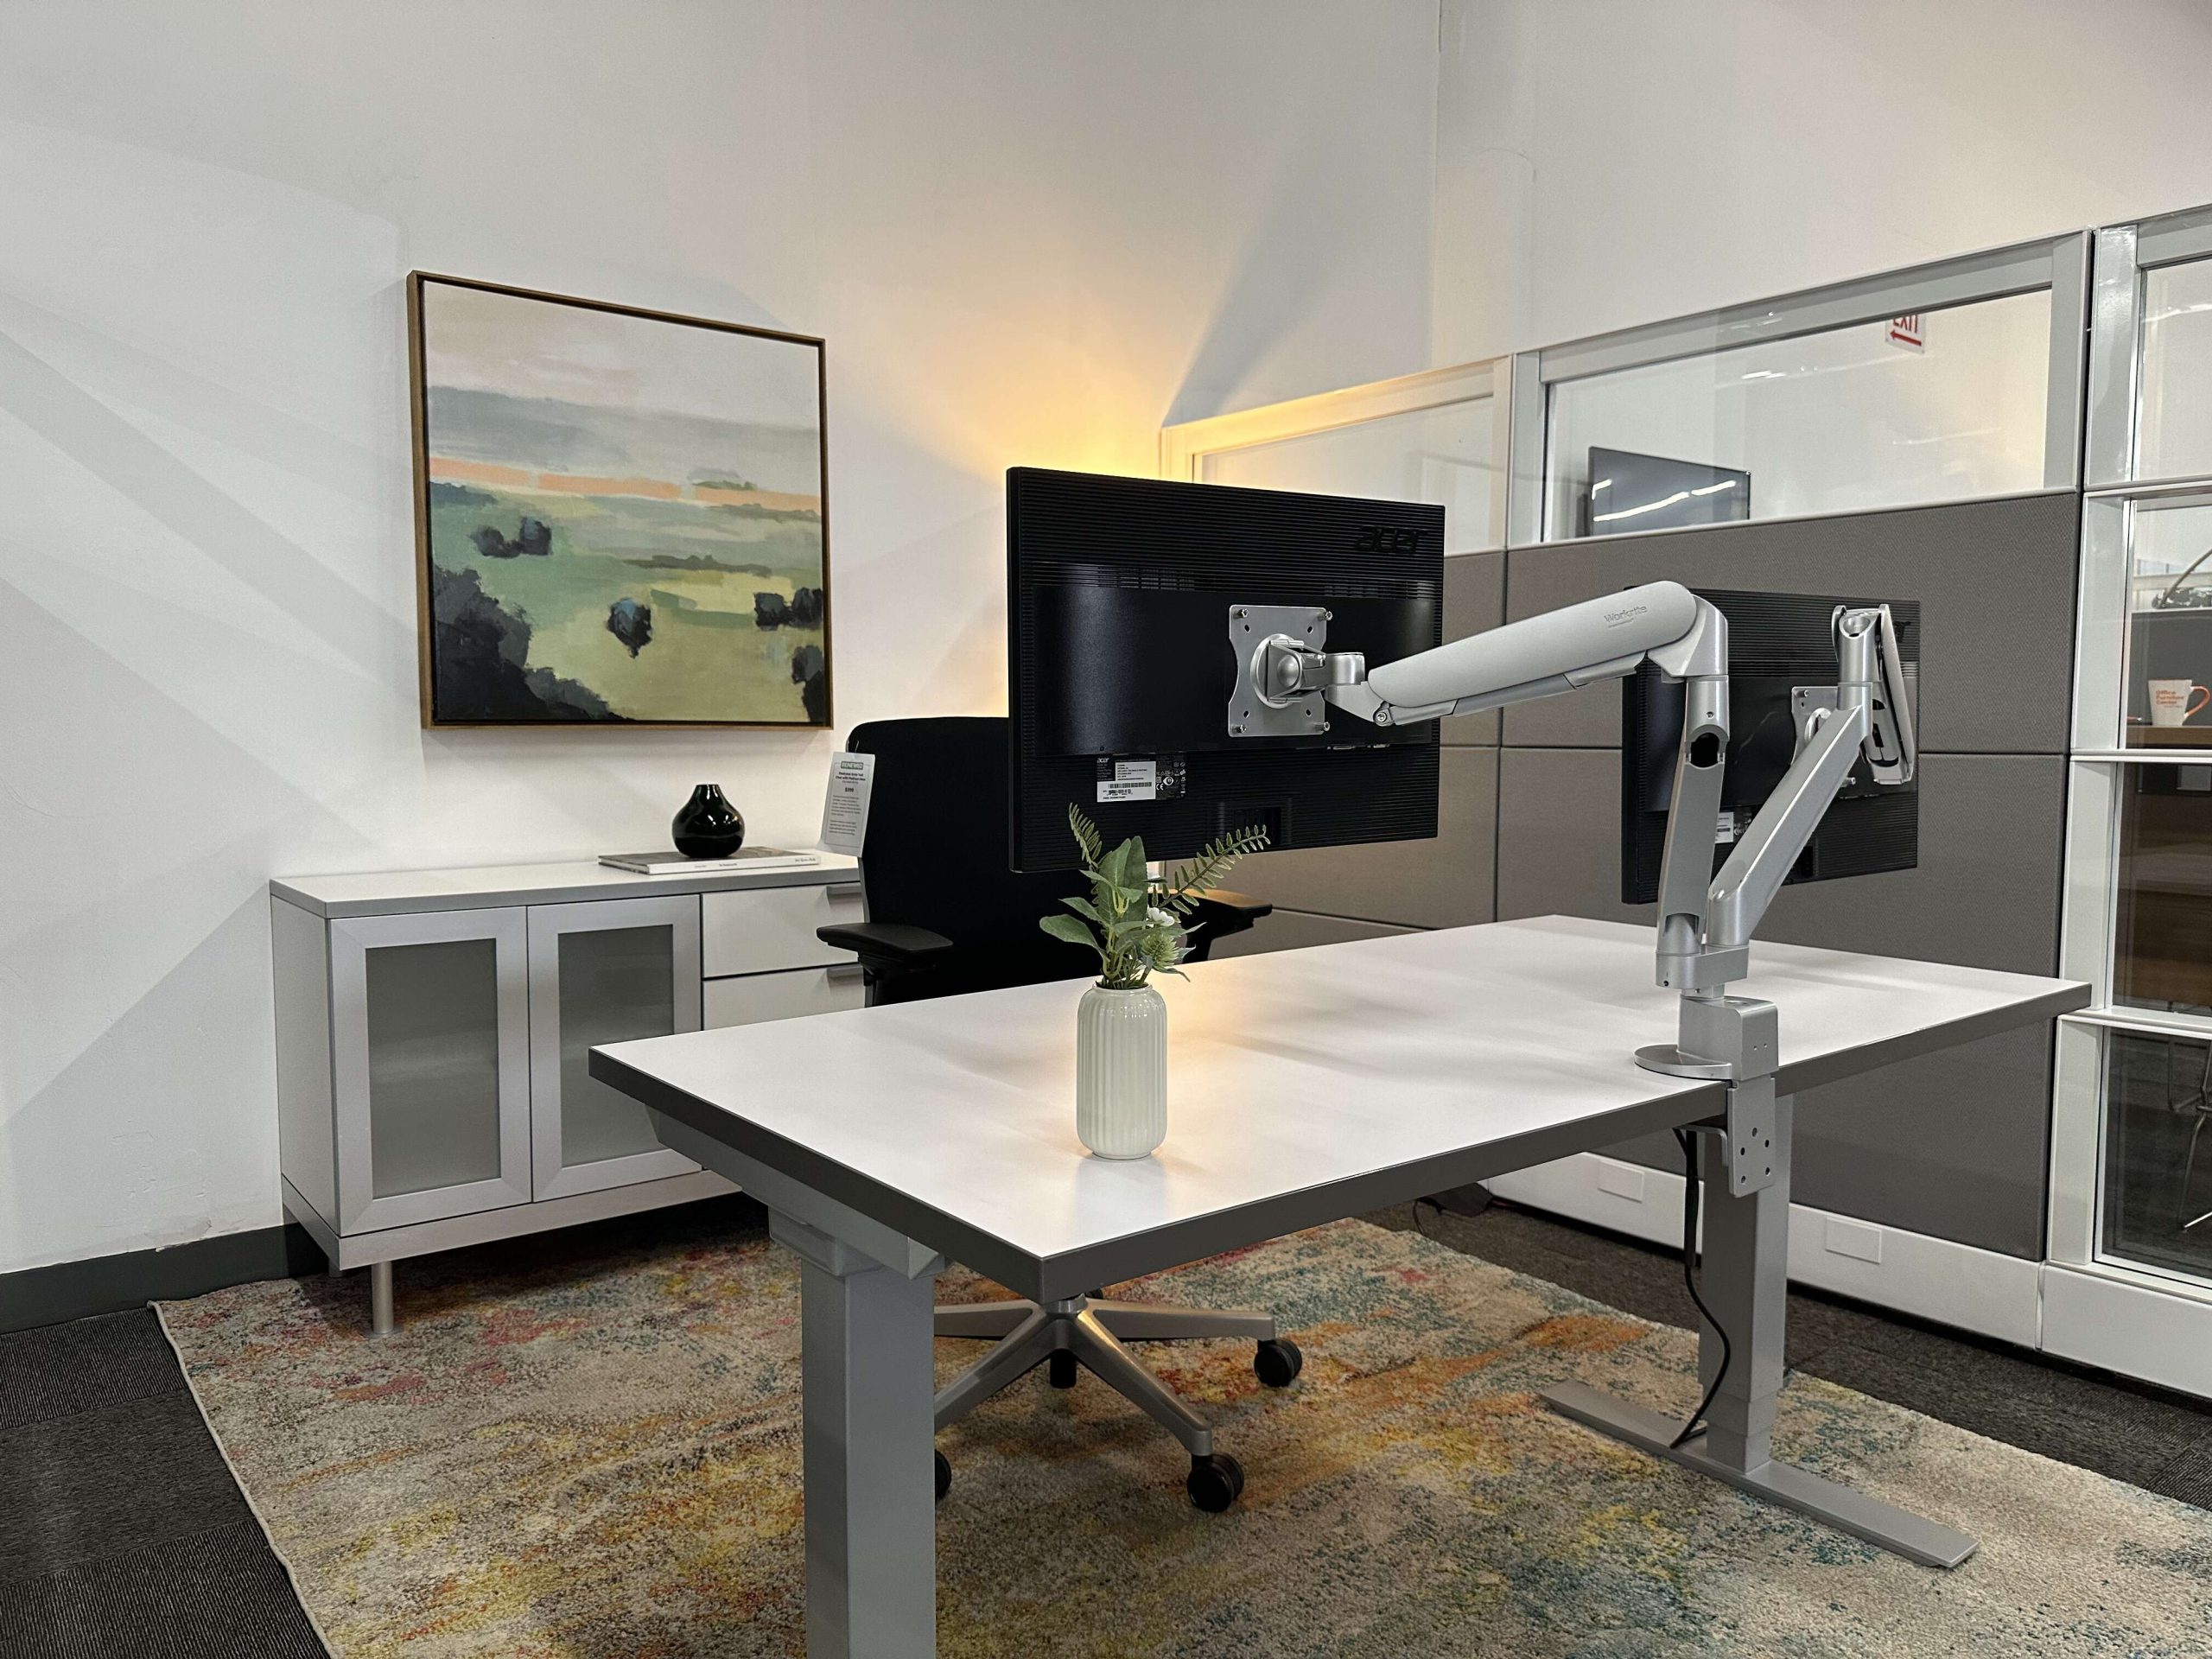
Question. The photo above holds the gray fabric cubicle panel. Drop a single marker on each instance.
(1995, 580)
(1474, 602)
(1294, 930)
(1952, 1144)
(1955, 1144)
(1985, 895)
(1444, 883)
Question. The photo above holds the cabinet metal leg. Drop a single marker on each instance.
(380, 1321)
(1745, 1282)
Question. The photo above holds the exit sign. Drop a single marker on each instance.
(1910, 331)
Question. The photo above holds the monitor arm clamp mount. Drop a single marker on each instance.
(1706, 921)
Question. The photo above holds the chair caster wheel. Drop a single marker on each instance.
(1215, 1483)
(943, 1475)
(1277, 1362)
(1060, 1368)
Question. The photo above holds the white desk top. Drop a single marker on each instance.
(1303, 1086)
(394, 892)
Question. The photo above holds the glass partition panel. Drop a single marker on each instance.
(2168, 650)
(434, 1064)
(1938, 407)
(2173, 436)
(617, 983)
(1437, 437)
(2162, 917)
(1445, 455)
(2157, 1165)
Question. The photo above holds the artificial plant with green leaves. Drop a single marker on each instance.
(1138, 922)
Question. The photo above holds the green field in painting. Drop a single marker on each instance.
(707, 658)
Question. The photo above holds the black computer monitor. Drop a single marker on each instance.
(1776, 643)
(1120, 667)
(1630, 494)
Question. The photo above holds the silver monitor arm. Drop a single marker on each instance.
(1706, 921)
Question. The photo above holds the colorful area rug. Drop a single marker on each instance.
(602, 1460)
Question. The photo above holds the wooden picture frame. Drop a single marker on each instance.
(509, 629)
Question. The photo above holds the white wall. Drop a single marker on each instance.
(1606, 162)
(1030, 233)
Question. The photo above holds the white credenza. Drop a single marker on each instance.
(432, 1027)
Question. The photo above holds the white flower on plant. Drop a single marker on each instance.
(1158, 917)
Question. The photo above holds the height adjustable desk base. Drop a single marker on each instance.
(1915, 1537)
(1742, 1167)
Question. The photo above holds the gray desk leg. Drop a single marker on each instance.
(1745, 1282)
(866, 1353)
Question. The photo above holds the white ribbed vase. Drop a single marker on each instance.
(1121, 1071)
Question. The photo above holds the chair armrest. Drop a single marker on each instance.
(886, 948)
(1223, 912)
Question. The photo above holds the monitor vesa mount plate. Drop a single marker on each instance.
(1276, 693)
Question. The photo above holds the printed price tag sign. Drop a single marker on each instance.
(844, 810)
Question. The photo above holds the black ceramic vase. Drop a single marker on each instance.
(709, 826)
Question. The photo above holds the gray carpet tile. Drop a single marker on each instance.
(58, 1370)
(215, 1594)
(1816, 1323)
(2074, 1419)
(2188, 1477)
(121, 1477)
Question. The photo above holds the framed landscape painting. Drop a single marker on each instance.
(619, 514)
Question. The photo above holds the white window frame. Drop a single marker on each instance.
(2123, 254)
(1184, 448)
(2100, 767)
(2059, 264)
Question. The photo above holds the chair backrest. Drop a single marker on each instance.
(936, 853)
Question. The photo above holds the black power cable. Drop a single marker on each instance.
(1684, 1138)
(1690, 1429)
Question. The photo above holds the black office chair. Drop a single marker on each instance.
(944, 913)
(946, 916)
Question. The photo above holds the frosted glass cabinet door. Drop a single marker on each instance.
(604, 973)
(430, 1060)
